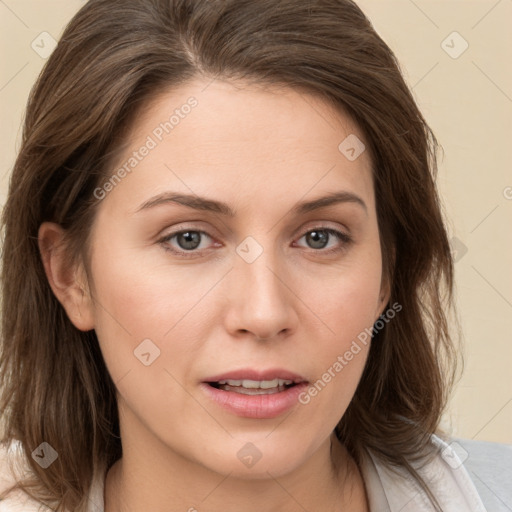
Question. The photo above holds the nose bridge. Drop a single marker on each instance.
(259, 269)
(263, 279)
(260, 295)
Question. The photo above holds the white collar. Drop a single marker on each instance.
(446, 477)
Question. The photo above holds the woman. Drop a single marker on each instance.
(225, 272)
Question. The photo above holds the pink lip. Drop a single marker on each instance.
(251, 374)
(256, 406)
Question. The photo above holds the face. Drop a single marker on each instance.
(225, 293)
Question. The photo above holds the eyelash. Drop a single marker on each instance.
(343, 237)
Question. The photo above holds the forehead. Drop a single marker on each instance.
(240, 140)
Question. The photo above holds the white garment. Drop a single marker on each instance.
(445, 475)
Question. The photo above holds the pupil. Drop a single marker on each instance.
(316, 236)
(190, 239)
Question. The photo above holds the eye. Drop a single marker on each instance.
(318, 239)
(187, 240)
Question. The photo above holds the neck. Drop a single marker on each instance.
(151, 476)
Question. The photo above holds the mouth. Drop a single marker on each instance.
(253, 387)
(255, 394)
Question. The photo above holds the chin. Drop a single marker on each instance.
(258, 461)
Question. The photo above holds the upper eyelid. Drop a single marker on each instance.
(303, 230)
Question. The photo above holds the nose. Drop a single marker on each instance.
(261, 301)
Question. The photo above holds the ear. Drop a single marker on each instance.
(385, 294)
(67, 281)
(385, 288)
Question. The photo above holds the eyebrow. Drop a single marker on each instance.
(210, 205)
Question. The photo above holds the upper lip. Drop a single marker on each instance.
(257, 375)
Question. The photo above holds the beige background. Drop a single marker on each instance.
(467, 98)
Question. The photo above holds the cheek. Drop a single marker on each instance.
(346, 306)
(340, 353)
(144, 324)
(344, 298)
(146, 295)
(146, 306)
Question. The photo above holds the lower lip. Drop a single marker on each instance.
(255, 406)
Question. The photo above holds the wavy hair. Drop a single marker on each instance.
(113, 58)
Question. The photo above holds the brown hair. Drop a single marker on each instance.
(114, 57)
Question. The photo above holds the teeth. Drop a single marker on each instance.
(248, 391)
(257, 384)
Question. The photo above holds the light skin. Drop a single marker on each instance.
(295, 306)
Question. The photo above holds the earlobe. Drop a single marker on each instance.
(384, 297)
(67, 281)
(385, 287)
